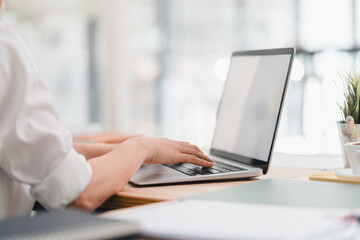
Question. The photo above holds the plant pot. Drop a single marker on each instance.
(345, 138)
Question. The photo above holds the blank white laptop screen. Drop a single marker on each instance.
(250, 105)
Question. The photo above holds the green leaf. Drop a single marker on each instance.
(351, 95)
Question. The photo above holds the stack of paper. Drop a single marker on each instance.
(198, 219)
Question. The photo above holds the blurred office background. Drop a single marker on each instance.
(157, 67)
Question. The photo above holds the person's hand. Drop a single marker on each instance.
(166, 151)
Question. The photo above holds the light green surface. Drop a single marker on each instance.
(289, 192)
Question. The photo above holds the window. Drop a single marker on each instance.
(157, 67)
(62, 41)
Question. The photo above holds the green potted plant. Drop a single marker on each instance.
(349, 127)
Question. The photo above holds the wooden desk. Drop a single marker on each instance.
(132, 195)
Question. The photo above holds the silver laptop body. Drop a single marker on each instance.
(247, 122)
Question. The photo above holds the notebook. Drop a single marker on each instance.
(69, 224)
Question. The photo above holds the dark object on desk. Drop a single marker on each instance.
(69, 224)
(290, 193)
(38, 207)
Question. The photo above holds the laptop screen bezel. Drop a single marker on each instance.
(264, 165)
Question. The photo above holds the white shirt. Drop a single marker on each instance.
(37, 160)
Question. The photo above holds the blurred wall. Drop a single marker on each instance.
(157, 67)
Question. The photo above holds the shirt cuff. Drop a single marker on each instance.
(65, 183)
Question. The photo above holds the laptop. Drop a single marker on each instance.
(247, 121)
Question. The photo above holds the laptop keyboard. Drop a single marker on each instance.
(193, 170)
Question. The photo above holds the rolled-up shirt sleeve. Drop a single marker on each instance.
(63, 184)
(35, 147)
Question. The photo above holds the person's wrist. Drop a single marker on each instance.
(79, 148)
(142, 145)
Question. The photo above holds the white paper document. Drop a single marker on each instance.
(195, 219)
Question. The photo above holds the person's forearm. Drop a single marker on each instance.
(111, 172)
(93, 150)
(107, 137)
